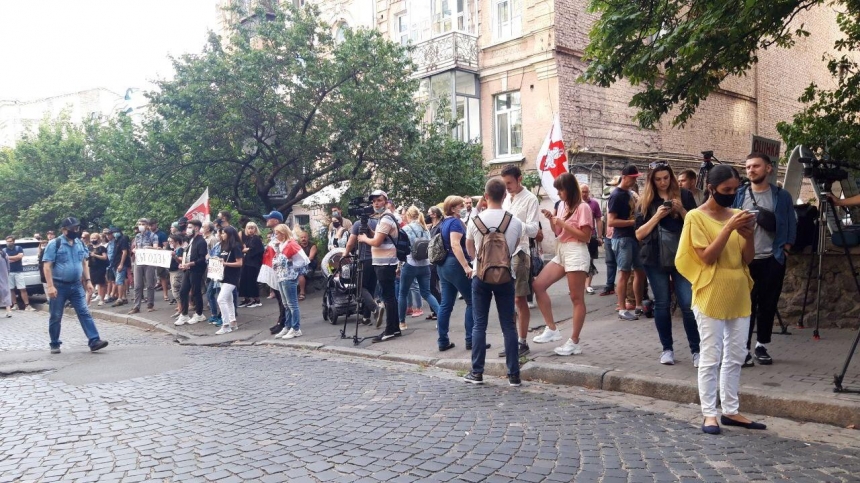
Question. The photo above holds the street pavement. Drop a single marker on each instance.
(169, 413)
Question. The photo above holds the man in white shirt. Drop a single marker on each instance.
(493, 219)
(524, 206)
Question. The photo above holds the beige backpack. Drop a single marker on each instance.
(494, 256)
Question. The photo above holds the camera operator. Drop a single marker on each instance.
(368, 278)
(776, 227)
(852, 201)
(384, 259)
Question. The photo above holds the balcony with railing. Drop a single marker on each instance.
(453, 50)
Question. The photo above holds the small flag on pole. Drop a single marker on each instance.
(200, 209)
(552, 159)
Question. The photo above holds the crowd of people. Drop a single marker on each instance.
(720, 252)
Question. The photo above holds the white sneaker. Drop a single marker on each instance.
(627, 315)
(182, 320)
(403, 326)
(288, 334)
(568, 349)
(589, 290)
(283, 332)
(197, 318)
(532, 305)
(696, 359)
(94, 297)
(225, 329)
(101, 302)
(548, 335)
(294, 334)
(668, 358)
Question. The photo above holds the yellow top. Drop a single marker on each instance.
(721, 290)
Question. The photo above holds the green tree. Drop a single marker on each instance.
(679, 51)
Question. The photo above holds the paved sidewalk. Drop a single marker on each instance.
(618, 355)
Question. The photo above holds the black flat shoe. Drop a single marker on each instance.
(449, 346)
(714, 429)
(750, 425)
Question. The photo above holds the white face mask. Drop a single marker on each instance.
(141, 228)
(189, 231)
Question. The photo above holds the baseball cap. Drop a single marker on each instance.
(630, 170)
(70, 222)
(274, 214)
(377, 193)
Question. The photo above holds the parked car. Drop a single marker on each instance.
(31, 265)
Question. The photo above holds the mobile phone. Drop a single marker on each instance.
(752, 212)
(667, 204)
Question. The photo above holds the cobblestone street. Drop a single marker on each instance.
(275, 414)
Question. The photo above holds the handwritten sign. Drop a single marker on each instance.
(216, 269)
(153, 258)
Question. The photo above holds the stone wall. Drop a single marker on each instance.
(840, 302)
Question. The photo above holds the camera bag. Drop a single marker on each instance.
(765, 218)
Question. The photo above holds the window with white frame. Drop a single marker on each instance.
(401, 29)
(508, 124)
(507, 18)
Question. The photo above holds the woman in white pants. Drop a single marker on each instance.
(231, 254)
(715, 248)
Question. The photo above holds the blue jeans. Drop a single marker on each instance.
(659, 281)
(74, 293)
(611, 266)
(453, 279)
(212, 298)
(290, 294)
(482, 294)
(409, 274)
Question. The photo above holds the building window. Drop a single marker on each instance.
(458, 92)
(401, 26)
(509, 124)
(507, 18)
(340, 33)
(303, 220)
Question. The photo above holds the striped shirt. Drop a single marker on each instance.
(385, 254)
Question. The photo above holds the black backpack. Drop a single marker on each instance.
(402, 244)
(420, 246)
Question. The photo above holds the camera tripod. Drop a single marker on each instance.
(826, 208)
(356, 270)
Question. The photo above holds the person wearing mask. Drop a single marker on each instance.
(415, 270)
(660, 215)
(310, 250)
(175, 242)
(573, 224)
(775, 232)
(717, 245)
(454, 273)
(523, 204)
(338, 229)
(687, 180)
(144, 275)
(232, 255)
(68, 277)
(370, 308)
(251, 263)
(213, 242)
(596, 234)
(384, 259)
(267, 274)
(98, 263)
(162, 274)
(15, 255)
(622, 218)
(288, 261)
(194, 266)
(121, 262)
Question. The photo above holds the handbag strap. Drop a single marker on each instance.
(752, 197)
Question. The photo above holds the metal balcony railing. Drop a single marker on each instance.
(452, 50)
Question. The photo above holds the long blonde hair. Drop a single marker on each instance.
(650, 190)
(285, 230)
(414, 214)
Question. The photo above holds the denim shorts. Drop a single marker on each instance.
(121, 275)
(626, 254)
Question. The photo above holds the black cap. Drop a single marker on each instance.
(70, 222)
(630, 170)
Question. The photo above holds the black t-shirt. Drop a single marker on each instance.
(363, 248)
(97, 264)
(122, 244)
(669, 223)
(232, 274)
(18, 266)
(622, 205)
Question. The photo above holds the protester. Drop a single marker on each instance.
(434, 214)
(98, 263)
(15, 255)
(65, 268)
(775, 232)
(232, 255)
(310, 250)
(608, 253)
(267, 274)
(175, 242)
(493, 276)
(162, 274)
(252, 260)
(523, 204)
(573, 224)
(5, 293)
(417, 266)
(338, 229)
(288, 262)
(144, 275)
(715, 248)
(687, 180)
(659, 219)
(213, 243)
(466, 210)
(384, 258)
(596, 239)
(454, 273)
(121, 263)
(621, 217)
(194, 266)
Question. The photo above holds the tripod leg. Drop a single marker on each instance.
(806, 290)
(782, 326)
(837, 379)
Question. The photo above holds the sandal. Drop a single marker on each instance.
(301, 296)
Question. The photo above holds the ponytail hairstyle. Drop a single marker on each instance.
(718, 175)
(414, 214)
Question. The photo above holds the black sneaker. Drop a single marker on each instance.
(524, 349)
(98, 345)
(383, 337)
(514, 380)
(748, 361)
(607, 291)
(469, 347)
(276, 328)
(474, 378)
(762, 356)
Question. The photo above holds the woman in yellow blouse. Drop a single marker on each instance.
(715, 248)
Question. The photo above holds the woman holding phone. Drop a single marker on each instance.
(659, 219)
(232, 255)
(714, 252)
(572, 225)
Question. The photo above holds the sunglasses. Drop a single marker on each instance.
(658, 164)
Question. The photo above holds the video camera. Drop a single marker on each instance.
(360, 207)
(823, 171)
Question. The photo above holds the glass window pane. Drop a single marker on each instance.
(501, 102)
(440, 86)
(516, 132)
(502, 135)
(465, 82)
(474, 113)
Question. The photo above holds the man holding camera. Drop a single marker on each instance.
(776, 226)
(384, 259)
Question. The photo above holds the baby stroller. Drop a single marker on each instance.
(339, 298)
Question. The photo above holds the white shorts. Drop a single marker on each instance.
(572, 256)
(16, 280)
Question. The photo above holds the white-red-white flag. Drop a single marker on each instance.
(552, 159)
(200, 209)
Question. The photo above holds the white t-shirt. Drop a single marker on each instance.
(492, 218)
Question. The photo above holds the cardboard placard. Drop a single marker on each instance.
(216, 269)
(152, 257)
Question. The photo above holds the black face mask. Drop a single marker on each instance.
(723, 200)
(72, 235)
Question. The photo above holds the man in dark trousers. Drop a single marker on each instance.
(67, 275)
(194, 265)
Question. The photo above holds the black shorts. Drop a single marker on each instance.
(592, 248)
(98, 277)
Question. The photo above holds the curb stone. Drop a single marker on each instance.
(410, 359)
(311, 346)
(134, 321)
(566, 374)
(352, 351)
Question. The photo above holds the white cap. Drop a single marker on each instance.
(378, 193)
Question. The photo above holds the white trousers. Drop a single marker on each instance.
(722, 352)
(228, 310)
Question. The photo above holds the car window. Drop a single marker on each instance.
(31, 249)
